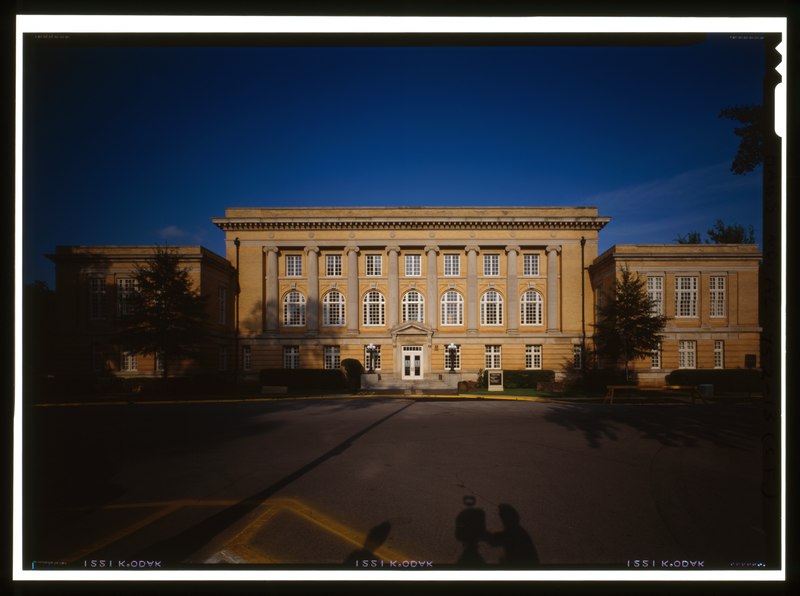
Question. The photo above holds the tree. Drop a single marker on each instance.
(39, 322)
(166, 316)
(733, 234)
(627, 326)
(690, 238)
(751, 146)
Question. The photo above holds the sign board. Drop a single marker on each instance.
(495, 380)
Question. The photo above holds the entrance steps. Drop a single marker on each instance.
(389, 384)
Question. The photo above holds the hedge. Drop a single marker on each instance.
(521, 379)
(596, 380)
(735, 380)
(298, 379)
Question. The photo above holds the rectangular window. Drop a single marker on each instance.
(491, 265)
(333, 265)
(452, 265)
(126, 287)
(128, 361)
(222, 313)
(294, 265)
(413, 265)
(655, 357)
(376, 359)
(655, 292)
(533, 357)
(717, 297)
(530, 265)
(97, 298)
(159, 362)
(247, 358)
(374, 263)
(719, 353)
(223, 358)
(687, 354)
(492, 357)
(685, 297)
(456, 358)
(331, 357)
(291, 356)
(577, 357)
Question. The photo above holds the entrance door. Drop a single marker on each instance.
(412, 362)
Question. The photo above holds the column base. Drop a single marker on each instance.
(352, 332)
(512, 332)
(472, 332)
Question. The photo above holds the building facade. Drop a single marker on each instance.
(709, 293)
(92, 285)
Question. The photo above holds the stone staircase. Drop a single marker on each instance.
(427, 386)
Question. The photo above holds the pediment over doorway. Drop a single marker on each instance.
(411, 329)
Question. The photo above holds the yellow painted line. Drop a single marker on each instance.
(239, 544)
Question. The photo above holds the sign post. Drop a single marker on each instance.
(495, 380)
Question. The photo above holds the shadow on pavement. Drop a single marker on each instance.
(366, 554)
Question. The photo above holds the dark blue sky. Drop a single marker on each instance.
(144, 145)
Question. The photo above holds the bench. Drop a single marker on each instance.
(690, 389)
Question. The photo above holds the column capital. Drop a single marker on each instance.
(431, 247)
(553, 247)
(472, 248)
(267, 249)
(513, 248)
(309, 249)
(348, 249)
(393, 248)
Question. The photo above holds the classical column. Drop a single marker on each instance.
(512, 291)
(432, 289)
(552, 288)
(394, 286)
(312, 302)
(272, 288)
(352, 290)
(472, 289)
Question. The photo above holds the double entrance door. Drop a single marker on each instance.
(412, 362)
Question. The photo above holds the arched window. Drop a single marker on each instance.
(294, 309)
(333, 309)
(491, 308)
(452, 308)
(413, 306)
(374, 308)
(531, 308)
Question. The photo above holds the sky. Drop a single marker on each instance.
(143, 144)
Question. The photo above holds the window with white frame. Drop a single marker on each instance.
(717, 297)
(655, 292)
(492, 357)
(223, 358)
(719, 353)
(491, 308)
(374, 265)
(158, 363)
(452, 265)
(530, 265)
(452, 308)
(333, 265)
(330, 357)
(374, 308)
(577, 357)
(294, 265)
(291, 356)
(685, 296)
(687, 354)
(247, 358)
(531, 307)
(97, 298)
(413, 265)
(294, 309)
(456, 355)
(222, 305)
(376, 358)
(126, 288)
(333, 309)
(533, 357)
(491, 265)
(655, 357)
(413, 307)
(128, 361)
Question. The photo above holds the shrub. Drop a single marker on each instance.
(302, 379)
(735, 380)
(595, 380)
(518, 379)
(353, 369)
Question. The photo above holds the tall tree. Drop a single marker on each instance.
(627, 326)
(731, 234)
(689, 238)
(165, 315)
(751, 145)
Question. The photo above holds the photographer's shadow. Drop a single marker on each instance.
(518, 548)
